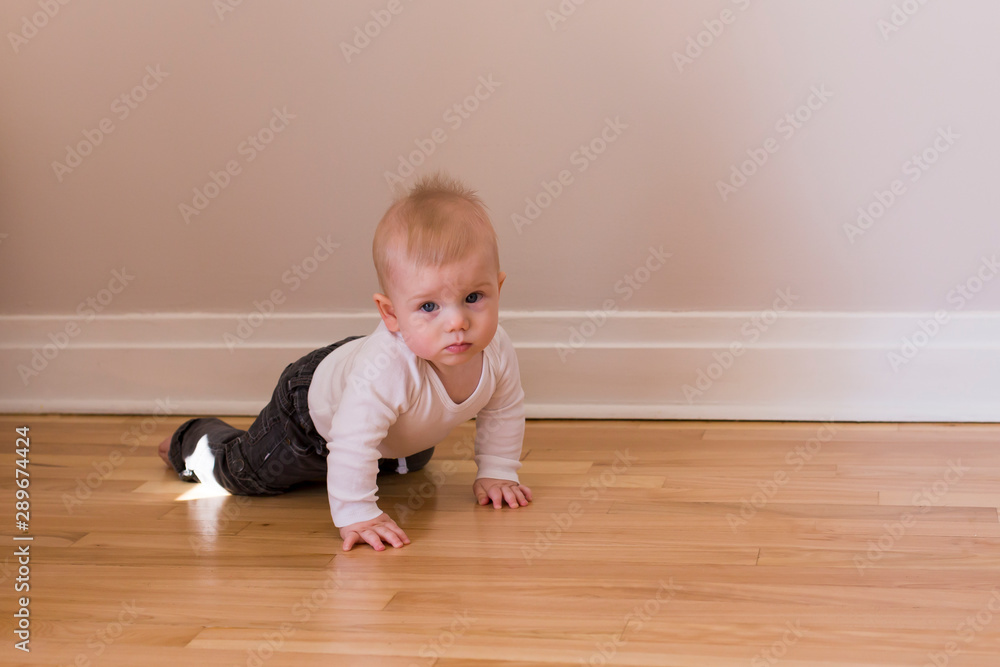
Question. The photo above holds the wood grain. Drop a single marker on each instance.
(648, 543)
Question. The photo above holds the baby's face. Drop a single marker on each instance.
(448, 314)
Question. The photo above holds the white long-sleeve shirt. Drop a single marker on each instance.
(373, 398)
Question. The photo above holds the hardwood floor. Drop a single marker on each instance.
(648, 543)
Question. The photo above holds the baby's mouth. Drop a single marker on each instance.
(459, 347)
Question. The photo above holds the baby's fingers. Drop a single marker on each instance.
(496, 495)
(372, 537)
(385, 533)
(397, 537)
(514, 496)
(481, 496)
(522, 493)
(351, 540)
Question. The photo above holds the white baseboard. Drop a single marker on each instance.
(635, 365)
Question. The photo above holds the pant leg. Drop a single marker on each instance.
(186, 437)
(244, 461)
(279, 450)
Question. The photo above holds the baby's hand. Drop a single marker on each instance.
(487, 489)
(374, 532)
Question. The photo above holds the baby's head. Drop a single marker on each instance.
(438, 267)
(437, 222)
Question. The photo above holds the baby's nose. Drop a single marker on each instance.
(457, 320)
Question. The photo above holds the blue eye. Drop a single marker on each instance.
(474, 297)
(428, 307)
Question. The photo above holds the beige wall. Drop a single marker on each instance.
(672, 130)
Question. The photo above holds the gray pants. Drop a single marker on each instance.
(281, 449)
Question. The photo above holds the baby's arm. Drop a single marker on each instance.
(362, 420)
(500, 435)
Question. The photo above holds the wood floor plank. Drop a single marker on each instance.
(648, 543)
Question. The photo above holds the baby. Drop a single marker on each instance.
(377, 404)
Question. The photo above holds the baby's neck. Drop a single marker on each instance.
(461, 381)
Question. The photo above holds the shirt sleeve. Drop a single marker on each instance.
(367, 409)
(500, 424)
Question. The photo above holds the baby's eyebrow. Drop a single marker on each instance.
(421, 298)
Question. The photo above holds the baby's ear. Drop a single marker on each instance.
(500, 280)
(387, 312)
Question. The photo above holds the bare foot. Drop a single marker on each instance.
(164, 449)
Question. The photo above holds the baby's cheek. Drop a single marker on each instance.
(420, 324)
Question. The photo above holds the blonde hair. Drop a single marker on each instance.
(438, 221)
